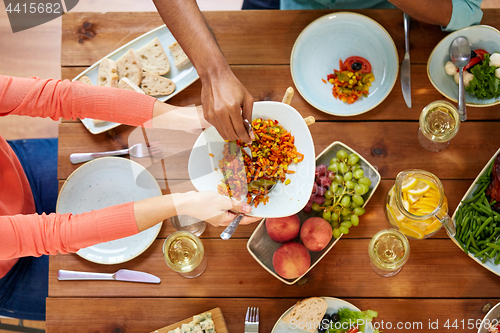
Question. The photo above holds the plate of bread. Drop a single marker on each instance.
(309, 313)
(152, 64)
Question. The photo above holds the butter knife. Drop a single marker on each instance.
(121, 275)
(405, 66)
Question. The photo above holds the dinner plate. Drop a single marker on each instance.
(480, 37)
(489, 264)
(340, 35)
(106, 182)
(182, 77)
(284, 200)
(334, 304)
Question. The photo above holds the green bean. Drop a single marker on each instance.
(477, 195)
(473, 242)
(494, 246)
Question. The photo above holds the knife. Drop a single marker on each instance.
(405, 66)
(121, 275)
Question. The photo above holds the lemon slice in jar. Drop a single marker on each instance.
(419, 189)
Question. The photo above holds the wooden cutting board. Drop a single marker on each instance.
(217, 318)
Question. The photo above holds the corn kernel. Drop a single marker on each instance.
(331, 81)
(287, 181)
(350, 74)
(369, 84)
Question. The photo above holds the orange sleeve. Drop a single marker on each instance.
(34, 235)
(55, 99)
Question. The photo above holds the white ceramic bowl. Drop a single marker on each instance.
(493, 316)
(480, 37)
(284, 200)
(340, 35)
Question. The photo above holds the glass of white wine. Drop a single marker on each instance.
(185, 254)
(439, 123)
(189, 223)
(389, 250)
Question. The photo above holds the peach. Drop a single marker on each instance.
(291, 260)
(315, 234)
(283, 229)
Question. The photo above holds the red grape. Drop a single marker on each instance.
(325, 181)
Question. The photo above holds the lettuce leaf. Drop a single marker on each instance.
(350, 318)
(484, 85)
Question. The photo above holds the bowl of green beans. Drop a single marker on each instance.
(477, 224)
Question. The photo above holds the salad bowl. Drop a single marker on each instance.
(480, 37)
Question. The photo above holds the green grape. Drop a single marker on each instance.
(346, 224)
(327, 215)
(365, 181)
(346, 201)
(346, 218)
(348, 175)
(356, 167)
(336, 233)
(354, 205)
(328, 202)
(334, 217)
(349, 184)
(339, 191)
(334, 187)
(333, 167)
(358, 173)
(341, 154)
(354, 220)
(338, 178)
(335, 224)
(352, 159)
(328, 194)
(343, 230)
(316, 207)
(343, 167)
(344, 211)
(358, 200)
(359, 211)
(359, 188)
(334, 160)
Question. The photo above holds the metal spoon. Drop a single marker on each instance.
(231, 228)
(460, 56)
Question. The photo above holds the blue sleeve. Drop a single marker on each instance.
(465, 13)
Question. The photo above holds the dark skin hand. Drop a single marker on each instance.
(225, 100)
(428, 11)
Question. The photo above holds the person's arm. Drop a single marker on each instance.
(225, 100)
(450, 14)
(34, 235)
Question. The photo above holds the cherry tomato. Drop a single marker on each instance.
(353, 330)
(366, 67)
(472, 62)
(480, 53)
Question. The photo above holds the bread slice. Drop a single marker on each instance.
(85, 79)
(129, 66)
(153, 58)
(107, 75)
(155, 85)
(307, 314)
(126, 84)
(180, 58)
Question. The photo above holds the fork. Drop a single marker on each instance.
(252, 320)
(138, 150)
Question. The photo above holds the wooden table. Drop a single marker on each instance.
(438, 284)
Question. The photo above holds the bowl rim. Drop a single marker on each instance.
(482, 328)
(457, 32)
(342, 13)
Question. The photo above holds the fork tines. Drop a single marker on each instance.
(252, 315)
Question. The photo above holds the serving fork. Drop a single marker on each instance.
(252, 320)
(138, 150)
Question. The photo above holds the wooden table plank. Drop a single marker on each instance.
(147, 314)
(271, 41)
(390, 146)
(433, 271)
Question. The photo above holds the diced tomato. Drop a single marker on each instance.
(472, 62)
(480, 53)
(366, 67)
(353, 330)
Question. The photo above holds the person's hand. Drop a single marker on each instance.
(214, 208)
(226, 103)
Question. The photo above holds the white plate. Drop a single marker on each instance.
(334, 304)
(480, 37)
(182, 77)
(262, 247)
(284, 200)
(489, 264)
(106, 182)
(336, 36)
